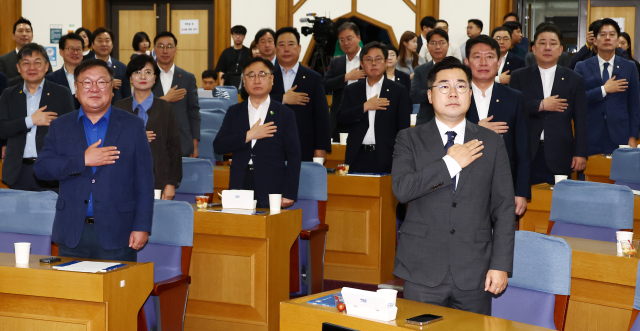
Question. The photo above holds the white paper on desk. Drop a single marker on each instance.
(635, 192)
(87, 266)
(362, 298)
(238, 199)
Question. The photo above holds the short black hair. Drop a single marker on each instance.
(391, 48)
(374, 44)
(428, 21)
(87, 32)
(595, 25)
(442, 21)
(21, 20)
(100, 30)
(447, 63)
(262, 32)
(239, 29)
(439, 32)
(253, 60)
(138, 38)
(287, 29)
(510, 14)
(138, 62)
(92, 63)
(603, 22)
(70, 36)
(513, 26)
(547, 28)
(482, 39)
(29, 49)
(477, 22)
(165, 34)
(502, 28)
(210, 74)
(348, 26)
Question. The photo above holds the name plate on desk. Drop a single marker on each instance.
(238, 199)
(368, 304)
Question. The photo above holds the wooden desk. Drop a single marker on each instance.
(598, 169)
(240, 270)
(38, 297)
(2, 184)
(298, 315)
(336, 156)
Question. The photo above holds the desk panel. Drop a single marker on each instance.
(598, 169)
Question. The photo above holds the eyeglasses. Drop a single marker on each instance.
(445, 88)
(169, 46)
(74, 49)
(371, 60)
(502, 38)
(343, 40)
(139, 73)
(261, 75)
(36, 64)
(87, 84)
(435, 43)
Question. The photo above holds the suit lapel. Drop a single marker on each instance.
(271, 116)
(80, 138)
(558, 81)
(432, 139)
(494, 104)
(595, 69)
(536, 82)
(113, 131)
(472, 113)
(470, 133)
(616, 67)
(278, 80)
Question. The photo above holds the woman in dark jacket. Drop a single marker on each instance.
(394, 74)
(624, 42)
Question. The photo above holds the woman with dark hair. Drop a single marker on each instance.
(394, 74)
(140, 44)
(624, 42)
(87, 53)
(408, 58)
(255, 52)
(160, 123)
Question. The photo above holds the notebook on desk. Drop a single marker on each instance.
(88, 266)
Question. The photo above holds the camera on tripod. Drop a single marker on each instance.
(322, 28)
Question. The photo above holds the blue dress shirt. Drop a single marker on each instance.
(93, 133)
(289, 76)
(144, 107)
(70, 79)
(33, 103)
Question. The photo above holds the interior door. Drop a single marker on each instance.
(193, 49)
(132, 22)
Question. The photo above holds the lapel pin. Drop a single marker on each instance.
(47, 93)
(114, 66)
(20, 91)
(618, 67)
(507, 63)
(271, 112)
(303, 77)
(497, 100)
(562, 78)
(387, 90)
(179, 75)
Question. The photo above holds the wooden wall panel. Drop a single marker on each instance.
(284, 13)
(10, 11)
(221, 26)
(192, 48)
(94, 14)
(130, 22)
(426, 8)
(499, 8)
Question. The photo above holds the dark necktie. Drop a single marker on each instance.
(451, 135)
(605, 73)
(142, 114)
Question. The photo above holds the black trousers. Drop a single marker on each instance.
(540, 172)
(367, 161)
(249, 183)
(90, 248)
(27, 181)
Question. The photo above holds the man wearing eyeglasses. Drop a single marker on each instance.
(26, 110)
(456, 244)
(71, 46)
(375, 110)
(450, 51)
(438, 47)
(101, 157)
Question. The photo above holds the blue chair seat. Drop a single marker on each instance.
(543, 304)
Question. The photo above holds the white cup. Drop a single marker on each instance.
(22, 252)
(390, 296)
(560, 177)
(318, 160)
(275, 202)
(623, 236)
(624, 146)
(157, 194)
(343, 138)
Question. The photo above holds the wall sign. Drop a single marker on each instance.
(189, 26)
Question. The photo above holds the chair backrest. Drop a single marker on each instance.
(211, 119)
(233, 92)
(207, 104)
(197, 179)
(590, 210)
(205, 148)
(541, 281)
(27, 216)
(625, 167)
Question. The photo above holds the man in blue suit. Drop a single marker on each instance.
(103, 46)
(613, 93)
(71, 46)
(101, 157)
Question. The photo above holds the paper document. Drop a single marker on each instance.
(237, 211)
(87, 266)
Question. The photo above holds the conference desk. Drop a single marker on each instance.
(336, 156)
(598, 169)
(37, 297)
(2, 184)
(361, 217)
(298, 315)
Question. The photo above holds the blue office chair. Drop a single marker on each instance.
(27, 216)
(625, 167)
(590, 210)
(205, 148)
(211, 119)
(169, 248)
(233, 92)
(634, 325)
(209, 104)
(541, 282)
(308, 277)
(197, 179)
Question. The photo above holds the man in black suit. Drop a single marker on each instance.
(375, 110)
(263, 136)
(508, 61)
(22, 35)
(438, 44)
(102, 40)
(501, 109)
(71, 46)
(554, 98)
(427, 24)
(4, 83)
(343, 70)
(25, 114)
(516, 37)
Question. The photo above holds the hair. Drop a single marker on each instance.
(594, 26)
(100, 30)
(510, 14)
(439, 32)
(348, 26)
(403, 53)
(138, 62)
(165, 34)
(239, 29)
(543, 24)
(253, 60)
(138, 38)
(428, 21)
(447, 63)
(262, 32)
(374, 44)
(21, 20)
(502, 28)
(92, 63)
(287, 29)
(513, 26)
(29, 49)
(482, 39)
(628, 39)
(477, 22)
(252, 47)
(547, 28)
(87, 32)
(442, 21)
(392, 48)
(70, 36)
(210, 74)
(597, 25)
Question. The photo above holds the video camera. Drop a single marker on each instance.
(322, 28)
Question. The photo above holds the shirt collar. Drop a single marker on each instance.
(106, 115)
(548, 70)
(355, 58)
(266, 103)
(505, 55)
(108, 61)
(458, 129)
(294, 69)
(17, 50)
(601, 61)
(379, 83)
(146, 104)
(24, 88)
(476, 90)
(64, 67)
(171, 71)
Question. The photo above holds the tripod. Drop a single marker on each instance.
(319, 55)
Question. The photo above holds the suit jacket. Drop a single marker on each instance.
(90, 55)
(334, 82)
(122, 192)
(387, 123)
(401, 78)
(60, 78)
(8, 67)
(420, 44)
(419, 88)
(4, 82)
(512, 63)
(445, 230)
(519, 52)
(165, 148)
(187, 110)
(585, 53)
(560, 144)
(619, 112)
(563, 60)
(507, 105)
(272, 174)
(124, 91)
(13, 110)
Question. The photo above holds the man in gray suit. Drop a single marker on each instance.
(22, 35)
(178, 86)
(457, 177)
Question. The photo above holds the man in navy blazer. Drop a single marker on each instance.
(71, 46)
(613, 93)
(375, 110)
(501, 109)
(509, 62)
(263, 136)
(590, 49)
(102, 41)
(556, 103)
(101, 156)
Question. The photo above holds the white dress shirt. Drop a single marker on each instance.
(482, 102)
(109, 63)
(353, 64)
(289, 76)
(601, 63)
(502, 63)
(452, 165)
(370, 136)
(166, 78)
(256, 115)
(452, 51)
(547, 76)
(70, 79)
(33, 103)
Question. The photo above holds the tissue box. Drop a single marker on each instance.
(367, 304)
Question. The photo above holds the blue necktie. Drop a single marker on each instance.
(605, 73)
(143, 115)
(451, 135)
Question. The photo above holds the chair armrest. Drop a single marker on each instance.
(165, 285)
(306, 234)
